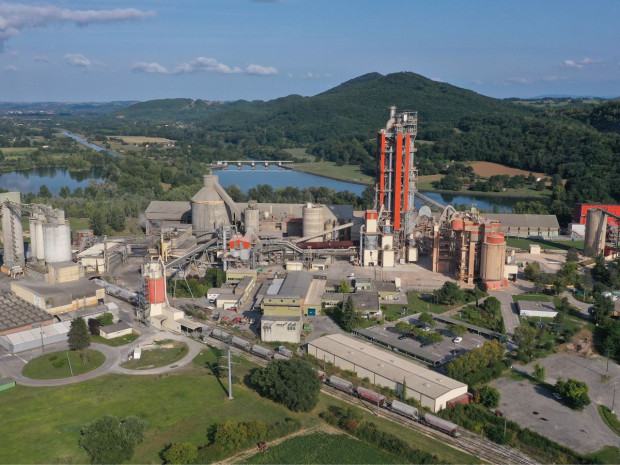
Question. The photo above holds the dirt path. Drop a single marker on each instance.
(241, 457)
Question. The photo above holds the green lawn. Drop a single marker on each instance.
(301, 154)
(177, 407)
(416, 303)
(115, 342)
(159, 357)
(609, 418)
(349, 173)
(544, 244)
(55, 364)
(531, 297)
(321, 448)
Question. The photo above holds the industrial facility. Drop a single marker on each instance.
(384, 368)
(599, 226)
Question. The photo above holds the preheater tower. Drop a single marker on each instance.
(396, 174)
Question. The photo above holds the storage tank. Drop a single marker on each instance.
(244, 255)
(154, 282)
(457, 224)
(313, 221)
(208, 208)
(40, 243)
(57, 242)
(493, 257)
(33, 237)
(252, 220)
(596, 226)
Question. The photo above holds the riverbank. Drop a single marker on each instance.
(344, 173)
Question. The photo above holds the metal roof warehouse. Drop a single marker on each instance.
(387, 369)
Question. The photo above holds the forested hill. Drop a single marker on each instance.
(358, 107)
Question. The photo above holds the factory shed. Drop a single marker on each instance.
(403, 347)
(18, 315)
(116, 330)
(526, 225)
(162, 215)
(433, 390)
(535, 308)
(36, 337)
(60, 298)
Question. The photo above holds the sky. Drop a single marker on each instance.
(104, 50)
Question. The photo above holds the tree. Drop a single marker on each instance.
(488, 396)
(574, 393)
(539, 373)
(180, 452)
(65, 192)
(344, 287)
(93, 326)
(457, 330)
(112, 440)
(602, 309)
(428, 319)
(44, 192)
(349, 317)
(450, 293)
(292, 383)
(572, 255)
(531, 271)
(525, 337)
(403, 392)
(78, 335)
(97, 221)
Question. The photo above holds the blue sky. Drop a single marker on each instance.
(105, 50)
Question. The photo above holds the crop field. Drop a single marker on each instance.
(16, 150)
(487, 169)
(322, 448)
(143, 139)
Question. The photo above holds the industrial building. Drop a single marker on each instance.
(537, 309)
(17, 315)
(384, 368)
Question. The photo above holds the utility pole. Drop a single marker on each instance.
(230, 396)
(613, 400)
(69, 360)
(105, 255)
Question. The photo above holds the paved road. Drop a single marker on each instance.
(509, 309)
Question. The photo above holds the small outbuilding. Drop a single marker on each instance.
(537, 309)
(117, 330)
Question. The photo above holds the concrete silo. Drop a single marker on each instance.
(313, 220)
(596, 229)
(252, 219)
(493, 258)
(212, 207)
(57, 239)
(12, 231)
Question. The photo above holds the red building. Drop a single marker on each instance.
(580, 212)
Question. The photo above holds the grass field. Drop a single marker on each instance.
(416, 302)
(159, 357)
(323, 448)
(301, 154)
(531, 297)
(143, 139)
(55, 364)
(609, 418)
(115, 342)
(178, 407)
(349, 173)
(544, 244)
(13, 150)
(487, 169)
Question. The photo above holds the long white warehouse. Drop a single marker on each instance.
(387, 369)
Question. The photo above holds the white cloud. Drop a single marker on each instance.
(11, 68)
(204, 65)
(580, 64)
(141, 66)
(80, 61)
(13, 53)
(41, 58)
(16, 17)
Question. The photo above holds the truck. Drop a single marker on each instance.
(442, 425)
(371, 396)
(404, 409)
(341, 384)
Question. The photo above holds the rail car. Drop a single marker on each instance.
(241, 343)
(282, 350)
(442, 425)
(403, 409)
(220, 335)
(261, 351)
(370, 396)
(341, 384)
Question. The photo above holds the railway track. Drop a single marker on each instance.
(468, 442)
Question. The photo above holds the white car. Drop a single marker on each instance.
(557, 396)
(426, 328)
(457, 339)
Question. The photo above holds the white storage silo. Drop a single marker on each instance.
(313, 221)
(57, 242)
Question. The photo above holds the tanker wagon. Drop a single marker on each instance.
(371, 396)
(262, 352)
(241, 343)
(341, 384)
(404, 409)
(282, 350)
(220, 335)
(442, 425)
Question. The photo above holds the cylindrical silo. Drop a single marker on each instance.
(33, 238)
(493, 257)
(252, 220)
(313, 221)
(12, 235)
(208, 207)
(40, 241)
(57, 242)
(154, 282)
(596, 225)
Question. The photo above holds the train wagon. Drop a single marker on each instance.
(405, 410)
(282, 350)
(342, 384)
(241, 343)
(371, 396)
(262, 352)
(220, 335)
(442, 425)
(206, 330)
(321, 374)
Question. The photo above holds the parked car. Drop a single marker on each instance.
(457, 339)
(216, 316)
(426, 328)
(557, 396)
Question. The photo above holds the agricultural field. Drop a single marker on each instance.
(143, 139)
(16, 150)
(486, 169)
(348, 173)
(323, 448)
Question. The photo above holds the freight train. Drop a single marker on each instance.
(395, 406)
(238, 342)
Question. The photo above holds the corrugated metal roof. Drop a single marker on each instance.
(387, 364)
(161, 206)
(296, 283)
(15, 313)
(514, 220)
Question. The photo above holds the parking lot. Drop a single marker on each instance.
(534, 407)
(447, 349)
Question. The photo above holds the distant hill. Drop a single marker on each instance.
(356, 107)
(62, 108)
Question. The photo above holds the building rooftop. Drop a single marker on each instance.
(536, 306)
(16, 313)
(393, 367)
(77, 289)
(120, 326)
(514, 220)
(296, 283)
